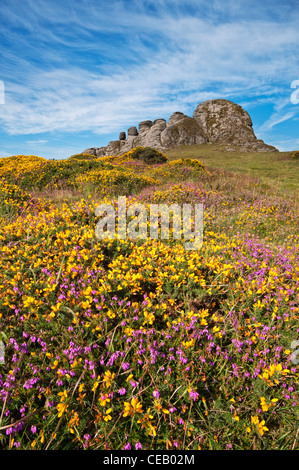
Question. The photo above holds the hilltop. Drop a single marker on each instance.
(214, 121)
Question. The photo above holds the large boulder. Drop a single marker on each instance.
(113, 147)
(182, 130)
(96, 151)
(176, 117)
(151, 136)
(90, 151)
(132, 131)
(144, 126)
(226, 122)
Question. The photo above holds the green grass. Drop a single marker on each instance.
(274, 169)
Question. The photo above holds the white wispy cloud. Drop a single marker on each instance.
(276, 119)
(99, 66)
(40, 141)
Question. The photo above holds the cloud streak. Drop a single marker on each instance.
(88, 66)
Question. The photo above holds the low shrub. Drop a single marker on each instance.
(148, 155)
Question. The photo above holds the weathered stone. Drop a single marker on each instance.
(96, 151)
(257, 146)
(132, 131)
(221, 119)
(185, 131)
(159, 121)
(90, 151)
(126, 145)
(151, 138)
(100, 152)
(214, 121)
(113, 147)
(226, 122)
(144, 126)
(175, 118)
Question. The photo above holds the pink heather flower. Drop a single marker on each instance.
(33, 429)
(133, 383)
(127, 446)
(156, 394)
(138, 446)
(122, 391)
(194, 395)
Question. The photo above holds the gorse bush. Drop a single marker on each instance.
(186, 162)
(114, 180)
(37, 173)
(83, 156)
(148, 155)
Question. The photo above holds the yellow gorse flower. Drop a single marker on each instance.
(132, 408)
(107, 416)
(260, 425)
(63, 395)
(264, 404)
(262, 428)
(95, 386)
(61, 408)
(73, 422)
(108, 378)
(104, 399)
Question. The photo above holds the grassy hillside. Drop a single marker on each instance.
(275, 169)
(141, 344)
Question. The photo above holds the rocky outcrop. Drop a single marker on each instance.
(181, 130)
(151, 136)
(113, 147)
(226, 122)
(214, 121)
(97, 151)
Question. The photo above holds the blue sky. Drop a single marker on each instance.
(76, 73)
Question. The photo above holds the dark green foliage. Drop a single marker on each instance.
(148, 155)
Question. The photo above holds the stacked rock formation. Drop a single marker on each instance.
(214, 121)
